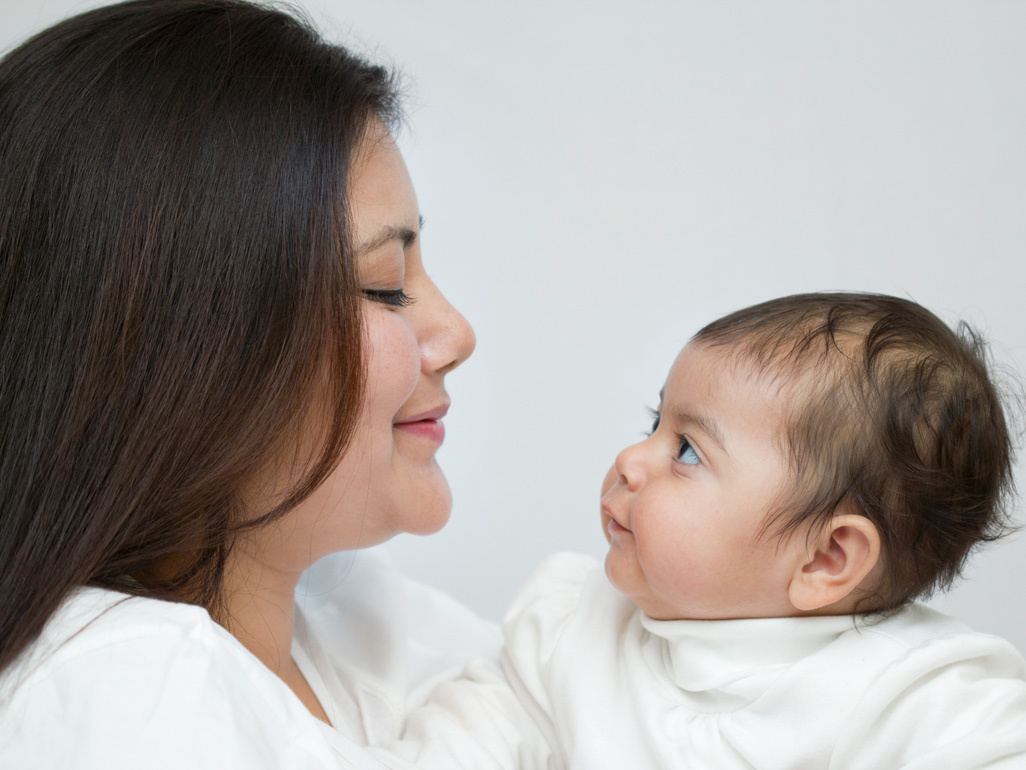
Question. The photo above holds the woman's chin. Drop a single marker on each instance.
(429, 526)
(431, 507)
(430, 522)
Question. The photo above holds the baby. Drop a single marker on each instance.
(817, 462)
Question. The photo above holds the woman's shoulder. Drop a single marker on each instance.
(90, 616)
(117, 681)
(97, 629)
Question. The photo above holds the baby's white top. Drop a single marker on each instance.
(589, 682)
(118, 682)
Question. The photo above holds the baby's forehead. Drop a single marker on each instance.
(735, 366)
(736, 387)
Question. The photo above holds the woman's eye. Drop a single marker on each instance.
(390, 297)
(686, 454)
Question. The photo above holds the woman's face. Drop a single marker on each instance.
(388, 480)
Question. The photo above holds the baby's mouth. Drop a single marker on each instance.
(613, 526)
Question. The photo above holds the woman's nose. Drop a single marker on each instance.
(447, 338)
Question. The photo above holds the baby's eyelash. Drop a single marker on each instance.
(392, 297)
(684, 446)
(654, 414)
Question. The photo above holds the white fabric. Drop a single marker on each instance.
(589, 682)
(117, 682)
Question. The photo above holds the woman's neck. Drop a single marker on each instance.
(261, 611)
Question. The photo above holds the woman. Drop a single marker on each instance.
(221, 360)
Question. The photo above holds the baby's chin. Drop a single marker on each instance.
(619, 576)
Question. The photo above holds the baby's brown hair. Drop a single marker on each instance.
(889, 413)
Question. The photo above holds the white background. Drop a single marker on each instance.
(600, 179)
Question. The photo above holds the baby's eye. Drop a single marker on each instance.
(654, 414)
(686, 454)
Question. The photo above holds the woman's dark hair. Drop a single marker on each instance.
(176, 290)
(890, 413)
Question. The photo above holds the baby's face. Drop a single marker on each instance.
(683, 510)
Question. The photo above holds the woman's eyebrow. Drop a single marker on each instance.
(405, 235)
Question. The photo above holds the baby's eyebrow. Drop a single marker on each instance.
(705, 422)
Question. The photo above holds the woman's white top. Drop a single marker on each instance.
(589, 682)
(117, 682)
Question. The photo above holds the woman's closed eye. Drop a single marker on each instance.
(390, 297)
(686, 453)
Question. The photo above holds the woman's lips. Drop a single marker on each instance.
(426, 424)
(431, 429)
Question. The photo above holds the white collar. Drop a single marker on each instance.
(722, 665)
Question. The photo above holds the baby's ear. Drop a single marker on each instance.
(839, 558)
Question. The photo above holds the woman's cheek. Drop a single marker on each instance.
(393, 360)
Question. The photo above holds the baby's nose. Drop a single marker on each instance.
(629, 467)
